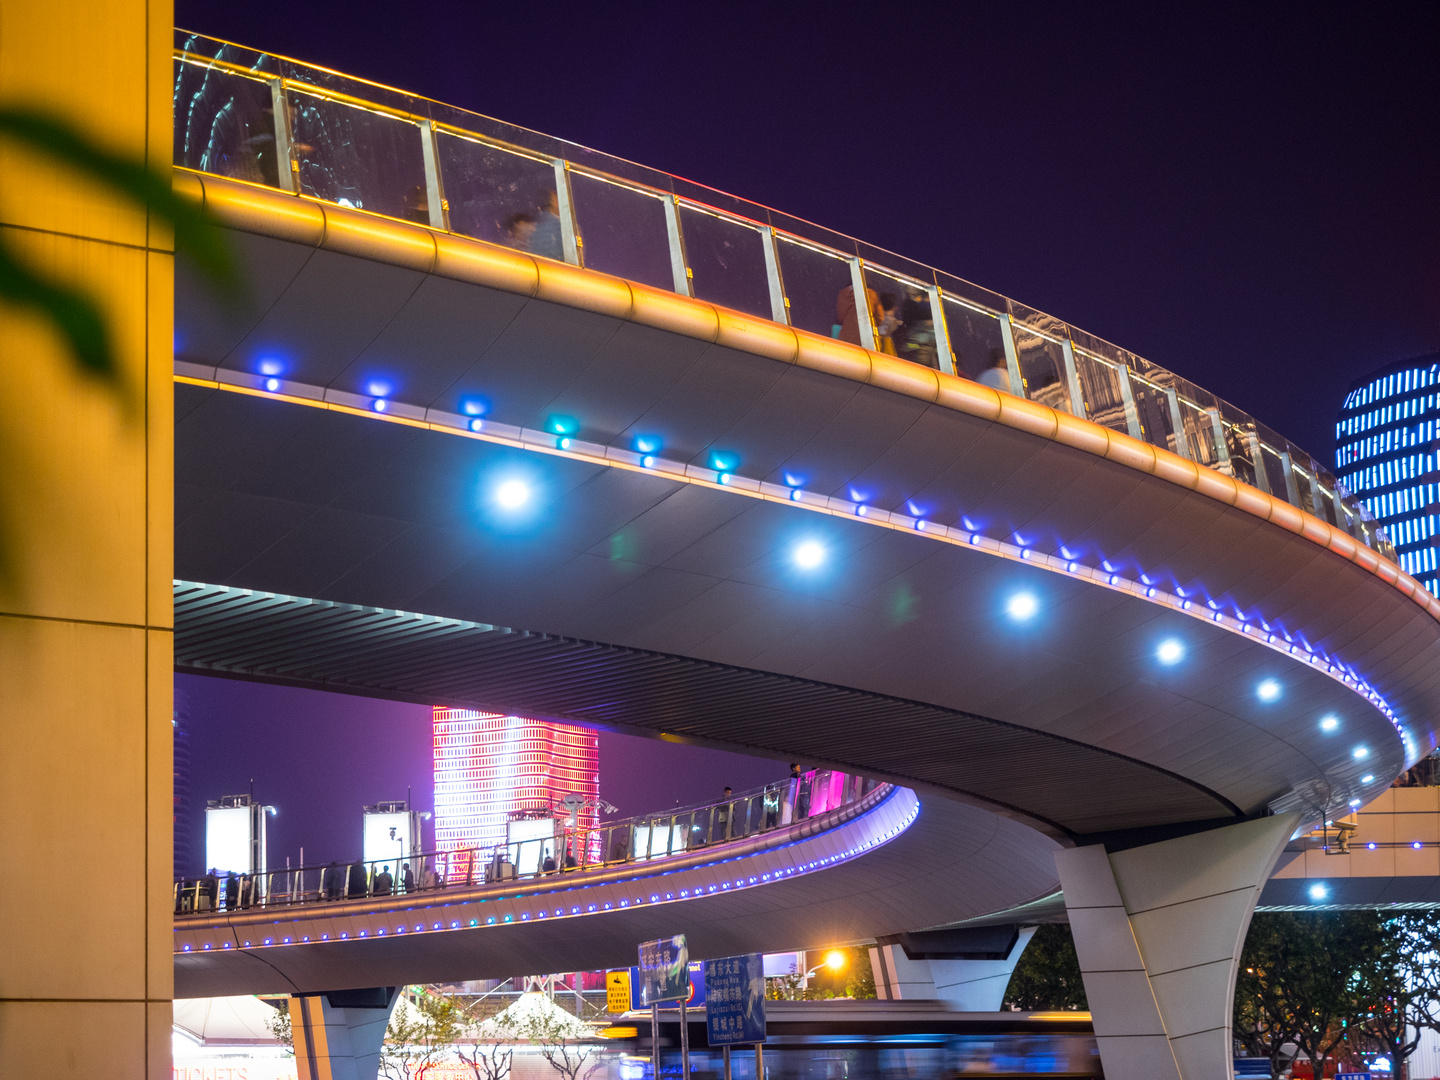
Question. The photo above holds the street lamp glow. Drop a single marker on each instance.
(809, 555)
(1268, 690)
(1022, 606)
(512, 494)
(1171, 651)
(834, 959)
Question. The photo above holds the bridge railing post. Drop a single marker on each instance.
(571, 242)
(434, 182)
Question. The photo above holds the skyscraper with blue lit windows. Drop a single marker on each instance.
(1386, 443)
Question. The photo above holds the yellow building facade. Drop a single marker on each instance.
(86, 651)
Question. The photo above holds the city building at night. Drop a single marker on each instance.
(492, 769)
(1385, 451)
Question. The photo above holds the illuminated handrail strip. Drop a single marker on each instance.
(575, 850)
(1223, 437)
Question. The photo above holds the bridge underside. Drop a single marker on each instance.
(951, 862)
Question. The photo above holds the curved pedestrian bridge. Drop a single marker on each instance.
(510, 424)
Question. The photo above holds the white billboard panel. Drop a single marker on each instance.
(227, 839)
(380, 847)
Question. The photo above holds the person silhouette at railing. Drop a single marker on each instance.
(357, 885)
(407, 878)
(847, 318)
(519, 231)
(997, 375)
(384, 883)
(548, 238)
(232, 891)
(210, 890)
(722, 814)
(547, 865)
(331, 881)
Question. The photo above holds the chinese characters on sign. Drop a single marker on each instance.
(664, 970)
(735, 1005)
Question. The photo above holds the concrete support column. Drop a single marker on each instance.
(338, 1036)
(86, 653)
(978, 985)
(1158, 930)
(969, 983)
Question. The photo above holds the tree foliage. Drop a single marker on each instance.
(422, 1036)
(73, 313)
(1048, 974)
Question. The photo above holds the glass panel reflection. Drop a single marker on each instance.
(356, 157)
(727, 263)
(225, 124)
(978, 343)
(814, 280)
(623, 230)
(497, 195)
(904, 326)
(1042, 369)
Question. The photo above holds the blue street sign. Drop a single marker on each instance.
(735, 1000)
(695, 1000)
(1352, 1076)
(664, 970)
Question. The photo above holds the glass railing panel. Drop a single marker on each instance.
(497, 195)
(976, 339)
(1304, 478)
(357, 91)
(813, 280)
(726, 261)
(225, 123)
(903, 324)
(1042, 369)
(1272, 449)
(1198, 409)
(1239, 431)
(358, 157)
(236, 56)
(1100, 390)
(622, 230)
(1152, 389)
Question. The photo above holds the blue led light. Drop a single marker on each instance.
(477, 424)
(1318, 892)
(273, 385)
(271, 366)
(379, 404)
(1269, 690)
(562, 425)
(474, 406)
(379, 388)
(647, 461)
(646, 444)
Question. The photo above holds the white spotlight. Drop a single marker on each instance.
(512, 494)
(1022, 605)
(1171, 651)
(809, 555)
(1268, 690)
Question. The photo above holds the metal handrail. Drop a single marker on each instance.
(575, 849)
(1093, 378)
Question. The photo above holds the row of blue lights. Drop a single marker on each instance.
(720, 886)
(514, 494)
